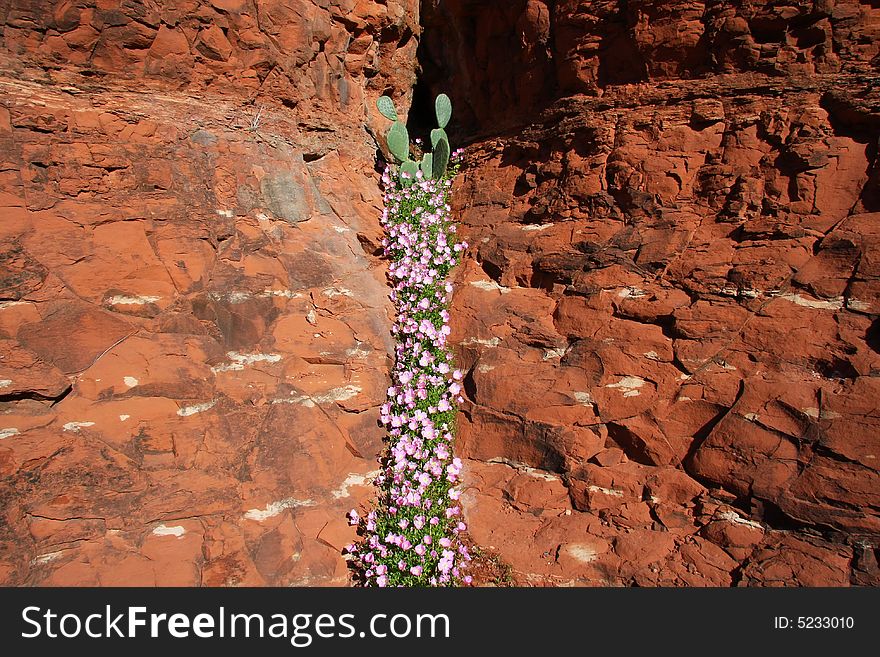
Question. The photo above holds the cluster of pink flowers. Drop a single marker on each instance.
(413, 536)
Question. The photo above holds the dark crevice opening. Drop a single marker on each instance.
(36, 396)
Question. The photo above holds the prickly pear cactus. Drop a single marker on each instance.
(441, 158)
(436, 135)
(409, 168)
(427, 165)
(398, 141)
(386, 108)
(433, 164)
(443, 109)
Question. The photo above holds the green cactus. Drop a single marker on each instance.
(386, 108)
(432, 165)
(436, 135)
(443, 109)
(411, 169)
(441, 158)
(398, 141)
(427, 165)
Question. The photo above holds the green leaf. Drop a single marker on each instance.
(436, 135)
(441, 158)
(386, 108)
(427, 165)
(443, 109)
(411, 169)
(398, 141)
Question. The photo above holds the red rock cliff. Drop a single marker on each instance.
(670, 312)
(669, 316)
(193, 329)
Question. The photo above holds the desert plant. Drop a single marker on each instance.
(432, 165)
(413, 535)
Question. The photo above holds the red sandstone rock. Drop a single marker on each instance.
(194, 340)
(696, 204)
(668, 316)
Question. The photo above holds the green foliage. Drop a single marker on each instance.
(432, 165)
(441, 158)
(443, 109)
(436, 135)
(398, 141)
(386, 108)
(427, 165)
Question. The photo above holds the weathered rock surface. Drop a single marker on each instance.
(669, 317)
(194, 330)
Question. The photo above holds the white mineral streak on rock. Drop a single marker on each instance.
(286, 294)
(122, 300)
(41, 559)
(164, 530)
(612, 492)
(584, 398)
(123, 418)
(358, 352)
(332, 292)
(76, 426)
(335, 395)
(558, 352)
(305, 400)
(9, 304)
(490, 286)
(860, 306)
(130, 381)
(732, 516)
(581, 552)
(536, 226)
(837, 303)
(630, 292)
(5, 433)
(186, 411)
(5, 383)
(240, 360)
(353, 479)
(628, 385)
(818, 304)
(491, 342)
(748, 293)
(651, 355)
(274, 508)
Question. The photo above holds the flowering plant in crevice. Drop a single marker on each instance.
(413, 535)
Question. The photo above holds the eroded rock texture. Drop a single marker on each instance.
(193, 328)
(669, 317)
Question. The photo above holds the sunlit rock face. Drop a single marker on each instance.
(669, 315)
(194, 326)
